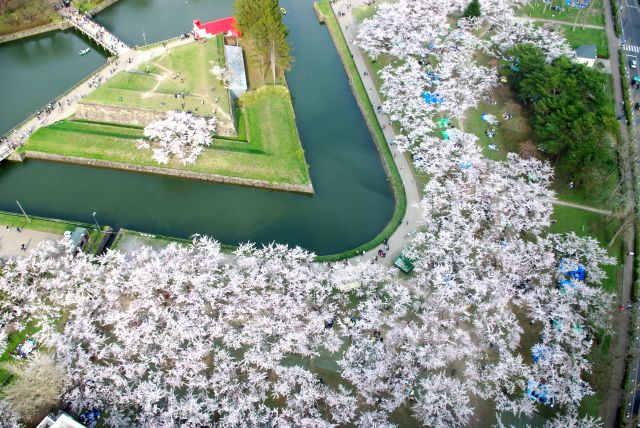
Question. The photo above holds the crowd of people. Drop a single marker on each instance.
(102, 36)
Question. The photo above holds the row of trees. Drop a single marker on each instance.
(262, 25)
(573, 119)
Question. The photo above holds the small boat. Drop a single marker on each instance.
(84, 51)
(283, 11)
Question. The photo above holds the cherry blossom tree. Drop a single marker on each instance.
(9, 416)
(180, 135)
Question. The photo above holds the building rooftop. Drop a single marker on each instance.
(586, 51)
(235, 65)
(61, 421)
(76, 236)
(219, 26)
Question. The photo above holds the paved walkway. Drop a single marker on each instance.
(402, 236)
(11, 240)
(560, 22)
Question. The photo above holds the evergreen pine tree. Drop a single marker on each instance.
(473, 9)
(261, 22)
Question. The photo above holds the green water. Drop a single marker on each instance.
(353, 200)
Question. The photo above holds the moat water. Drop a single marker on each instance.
(353, 200)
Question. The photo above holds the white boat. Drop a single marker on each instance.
(84, 51)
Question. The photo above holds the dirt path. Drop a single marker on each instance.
(581, 207)
(555, 21)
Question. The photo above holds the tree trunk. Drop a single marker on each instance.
(273, 60)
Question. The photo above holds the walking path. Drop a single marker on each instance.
(581, 207)
(402, 236)
(95, 31)
(11, 241)
(556, 21)
(67, 104)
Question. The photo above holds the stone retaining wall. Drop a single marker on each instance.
(296, 188)
(121, 115)
(54, 26)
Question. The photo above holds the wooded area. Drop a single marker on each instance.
(25, 13)
(573, 120)
(263, 29)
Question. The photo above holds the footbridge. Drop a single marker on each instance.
(6, 148)
(95, 31)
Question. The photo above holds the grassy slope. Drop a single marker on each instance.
(360, 92)
(536, 10)
(274, 153)
(40, 224)
(149, 90)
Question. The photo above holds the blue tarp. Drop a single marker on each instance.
(577, 4)
(465, 164)
(430, 98)
(578, 273)
(538, 352)
(538, 392)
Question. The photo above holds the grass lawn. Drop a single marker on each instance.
(587, 36)
(86, 5)
(155, 87)
(15, 339)
(509, 134)
(37, 223)
(598, 226)
(536, 9)
(273, 153)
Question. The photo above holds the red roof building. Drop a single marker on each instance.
(210, 29)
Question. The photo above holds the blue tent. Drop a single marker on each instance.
(433, 77)
(465, 164)
(430, 98)
(578, 273)
(539, 392)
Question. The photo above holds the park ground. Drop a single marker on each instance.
(267, 146)
(156, 84)
(585, 211)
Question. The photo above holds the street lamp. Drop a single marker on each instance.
(94, 219)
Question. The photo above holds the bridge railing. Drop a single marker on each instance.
(156, 44)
